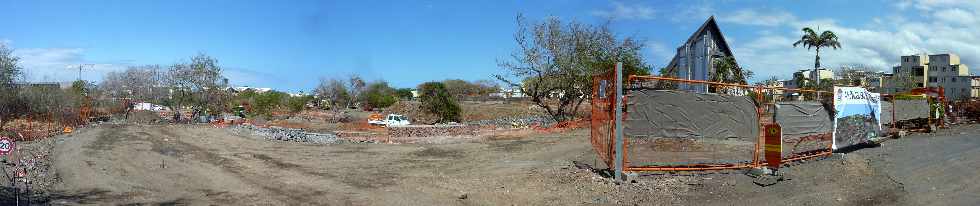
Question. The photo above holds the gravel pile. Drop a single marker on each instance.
(431, 130)
(288, 134)
(515, 122)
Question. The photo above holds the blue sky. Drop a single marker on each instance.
(291, 45)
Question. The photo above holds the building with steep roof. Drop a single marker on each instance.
(695, 58)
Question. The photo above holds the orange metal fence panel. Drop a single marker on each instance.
(651, 153)
(602, 116)
(698, 150)
(808, 129)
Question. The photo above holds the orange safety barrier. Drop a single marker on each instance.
(602, 124)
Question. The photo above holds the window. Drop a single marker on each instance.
(953, 79)
(932, 79)
(944, 69)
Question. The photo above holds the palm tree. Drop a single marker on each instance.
(728, 71)
(810, 39)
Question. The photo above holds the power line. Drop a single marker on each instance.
(80, 67)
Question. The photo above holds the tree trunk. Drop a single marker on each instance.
(816, 64)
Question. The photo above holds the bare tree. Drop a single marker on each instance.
(143, 83)
(355, 87)
(209, 83)
(332, 90)
(555, 62)
(856, 75)
(199, 83)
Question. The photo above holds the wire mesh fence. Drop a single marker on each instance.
(806, 117)
(603, 116)
(674, 124)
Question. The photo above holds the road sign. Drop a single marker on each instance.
(6, 146)
(774, 145)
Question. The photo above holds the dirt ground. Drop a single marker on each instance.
(201, 165)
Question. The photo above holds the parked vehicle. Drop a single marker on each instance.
(390, 120)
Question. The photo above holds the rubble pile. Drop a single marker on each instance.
(432, 130)
(288, 134)
(855, 129)
(327, 116)
(515, 122)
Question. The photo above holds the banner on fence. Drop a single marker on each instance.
(857, 117)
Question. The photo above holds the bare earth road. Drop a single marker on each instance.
(935, 169)
(199, 165)
(117, 164)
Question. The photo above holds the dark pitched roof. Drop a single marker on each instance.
(709, 26)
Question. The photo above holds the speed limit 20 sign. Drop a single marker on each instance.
(6, 146)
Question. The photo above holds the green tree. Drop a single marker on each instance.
(555, 61)
(810, 39)
(404, 93)
(298, 103)
(267, 102)
(79, 87)
(437, 101)
(379, 95)
(11, 103)
(728, 71)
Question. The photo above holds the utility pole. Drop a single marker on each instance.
(619, 123)
(80, 67)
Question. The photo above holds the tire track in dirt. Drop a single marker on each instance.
(297, 194)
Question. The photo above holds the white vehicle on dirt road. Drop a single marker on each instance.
(390, 120)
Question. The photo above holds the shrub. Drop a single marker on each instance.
(436, 100)
(297, 104)
(379, 95)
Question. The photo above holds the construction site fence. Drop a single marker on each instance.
(697, 152)
(941, 110)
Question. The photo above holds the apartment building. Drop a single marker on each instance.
(938, 70)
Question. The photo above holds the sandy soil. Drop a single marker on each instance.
(200, 165)
(119, 164)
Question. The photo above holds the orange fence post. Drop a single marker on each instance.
(603, 108)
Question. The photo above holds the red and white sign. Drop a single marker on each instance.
(6, 146)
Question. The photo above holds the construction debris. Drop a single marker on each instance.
(432, 130)
(288, 134)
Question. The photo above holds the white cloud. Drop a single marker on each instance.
(627, 12)
(61, 64)
(878, 44)
(759, 18)
(956, 16)
(5, 42)
(930, 5)
(693, 11)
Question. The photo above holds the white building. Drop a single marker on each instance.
(938, 70)
(509, 93)
(810, 75)
(257, 90)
